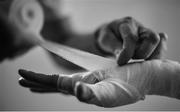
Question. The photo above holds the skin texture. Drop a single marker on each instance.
(111, 87)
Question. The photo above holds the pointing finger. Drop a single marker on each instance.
(149, 40)
(50, 80)
(129, 44)
(30, 84)
(162, 46)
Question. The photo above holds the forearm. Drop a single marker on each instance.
(166, 79)
(156, 77)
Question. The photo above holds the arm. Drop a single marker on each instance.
(112, 87)
(125, 35)
(119, 38)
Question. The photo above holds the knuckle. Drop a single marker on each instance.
(154, 37)
(150, 35)
(127, 30)
(129, 18)
(125, 20)
(163, 36)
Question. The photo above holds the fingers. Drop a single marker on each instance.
(40, 90)
(40, 82)
(162, 46)
(67, 83)
(135, 41)
(148, 41)
(129, 44)
(30, 84)
(62, 83)
(50, 80)
(106, 40)
(35, 83)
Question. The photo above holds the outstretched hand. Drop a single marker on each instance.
(112, 87)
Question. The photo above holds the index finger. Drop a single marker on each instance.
(129, 44)
(50, 80)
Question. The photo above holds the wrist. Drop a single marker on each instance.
(166, 79)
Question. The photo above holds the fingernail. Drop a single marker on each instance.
(21, 71)
(21, 81)
(83, 92)
(20, 78)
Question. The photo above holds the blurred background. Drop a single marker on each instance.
(86, 16)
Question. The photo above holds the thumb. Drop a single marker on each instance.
(84, 92)
(129, 44)
(107, 93)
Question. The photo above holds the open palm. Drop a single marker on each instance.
(111, 87)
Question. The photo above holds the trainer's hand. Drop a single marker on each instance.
(112, 87)
(128, 39)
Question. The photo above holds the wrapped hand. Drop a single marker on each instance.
(111, 87)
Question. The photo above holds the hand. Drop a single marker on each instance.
(112, 87)
(128, 39)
